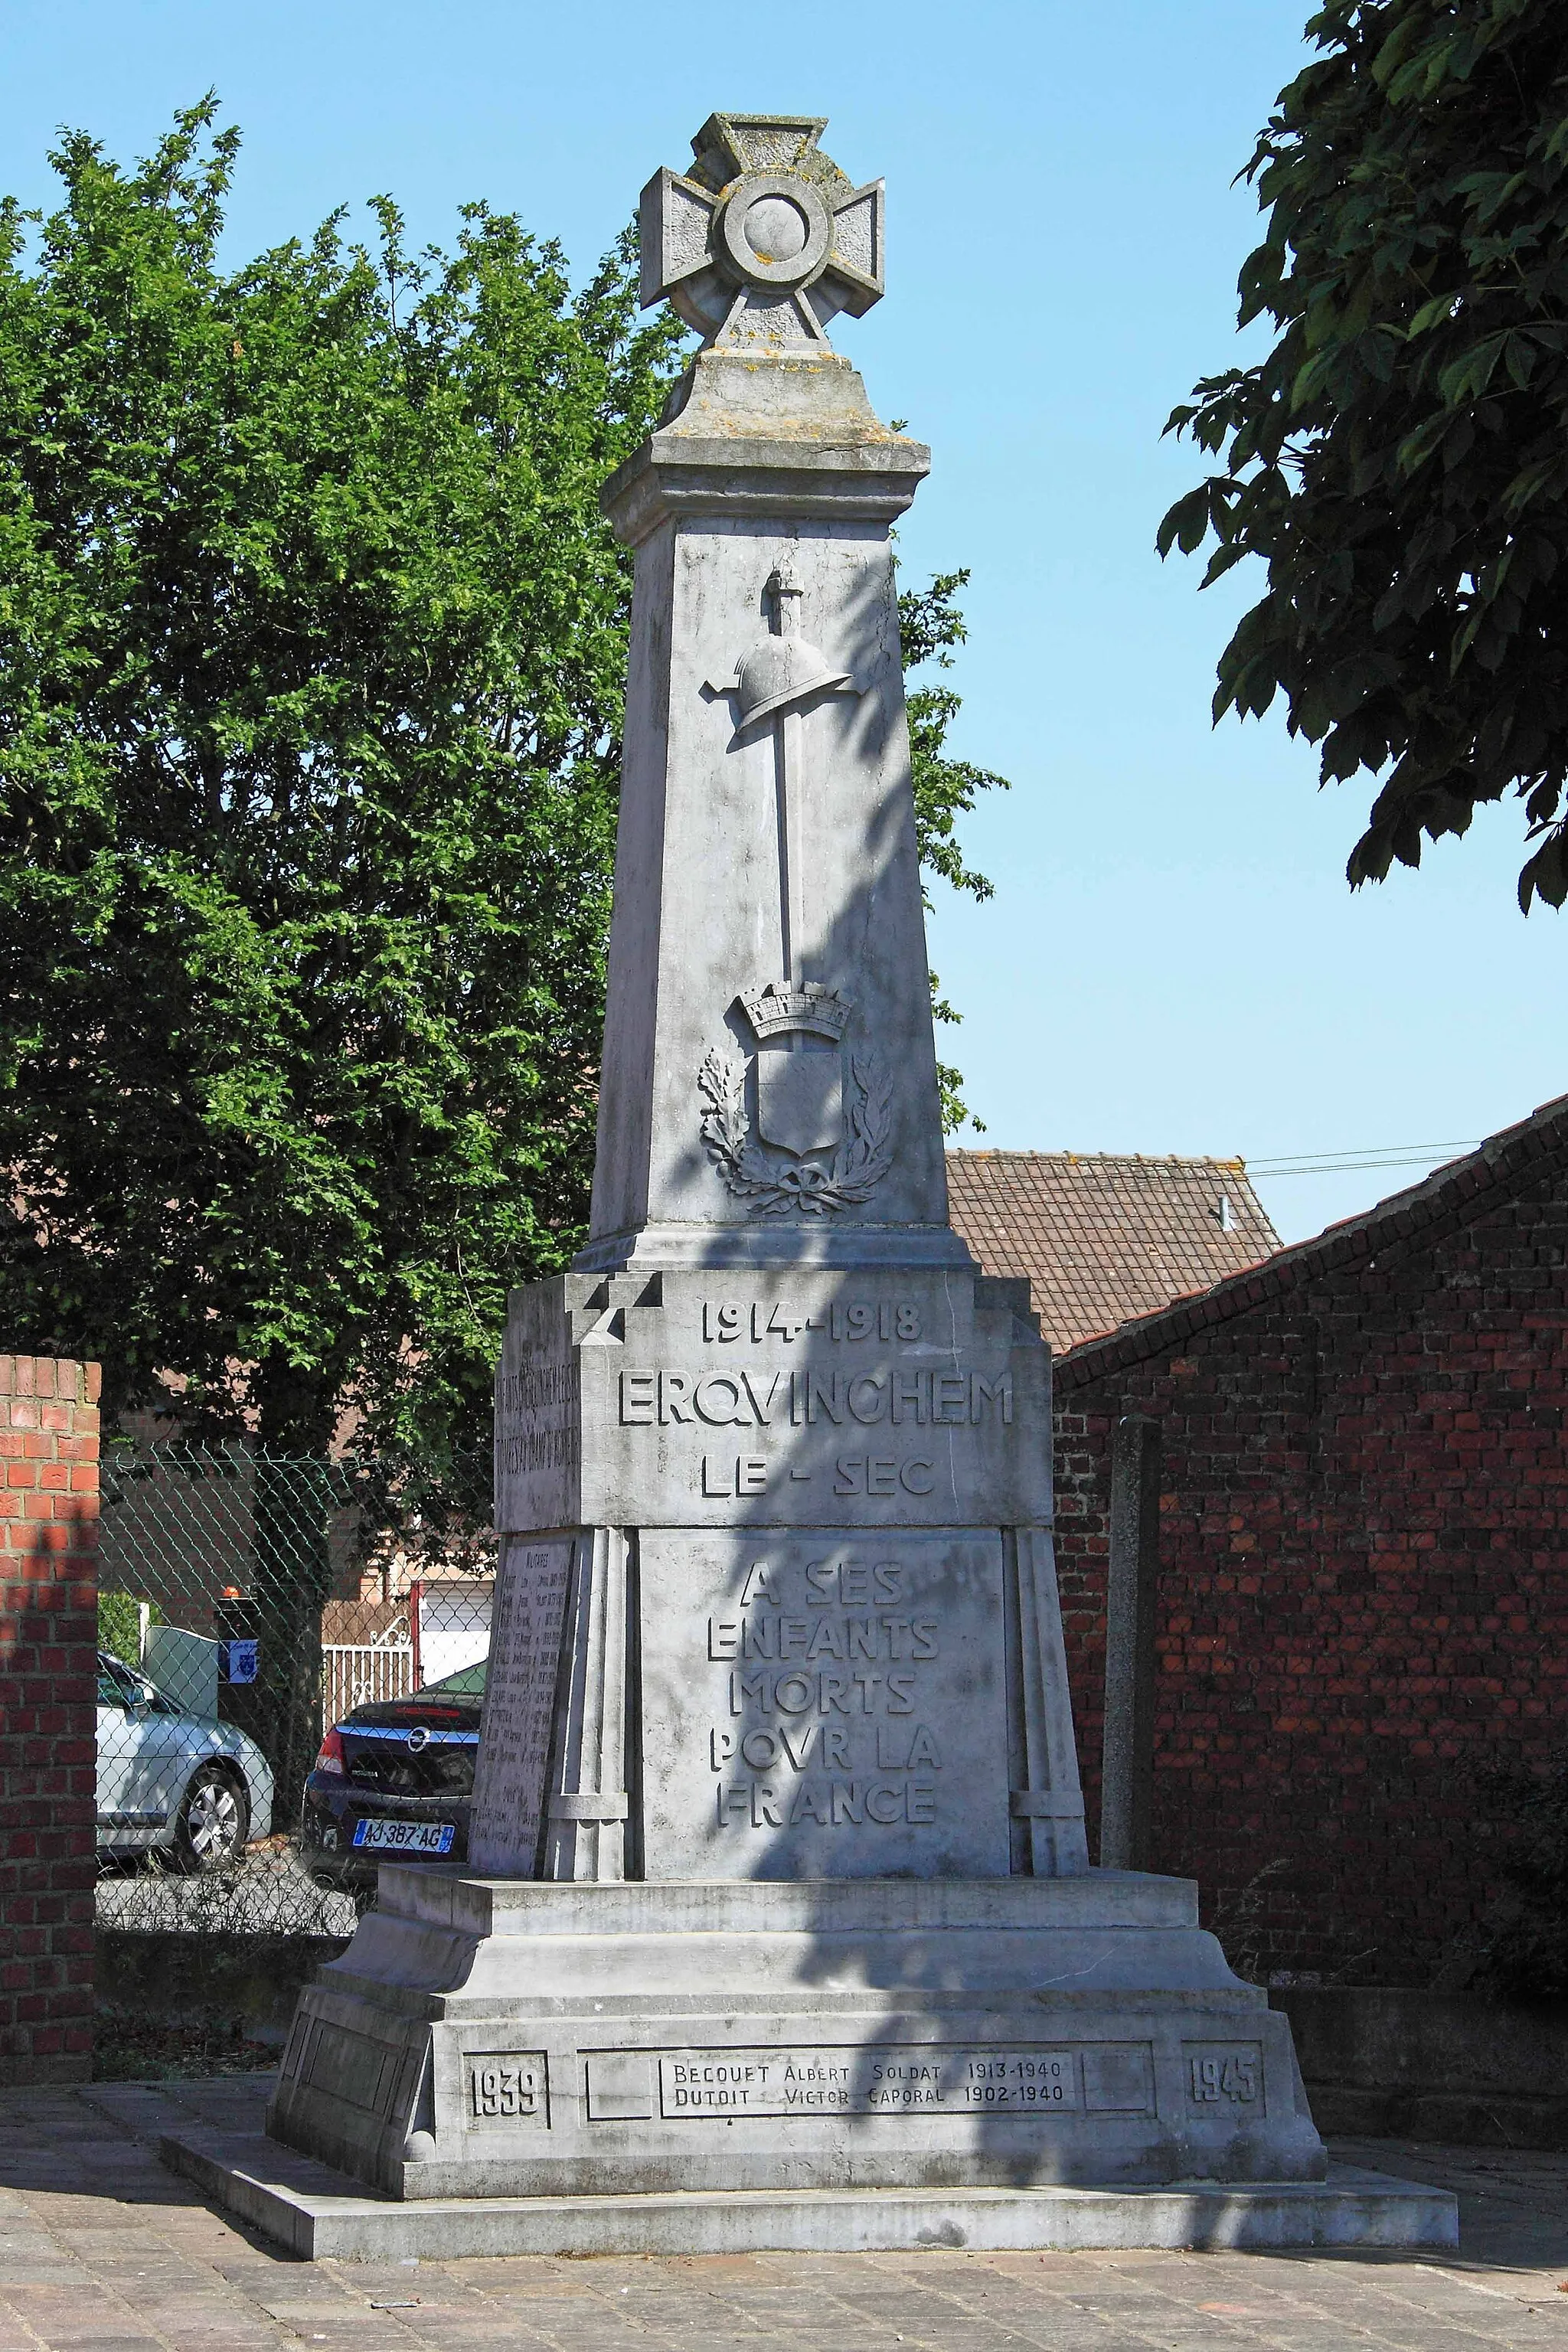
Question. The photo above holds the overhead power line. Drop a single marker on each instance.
(1388, 1155)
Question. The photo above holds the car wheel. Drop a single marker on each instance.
(213, 1820)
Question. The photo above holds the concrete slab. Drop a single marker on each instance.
(319, 2214)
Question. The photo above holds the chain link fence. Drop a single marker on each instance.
(249, 1605)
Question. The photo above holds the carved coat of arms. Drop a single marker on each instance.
(806, 1122)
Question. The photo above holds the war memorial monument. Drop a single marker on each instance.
(777, 1926)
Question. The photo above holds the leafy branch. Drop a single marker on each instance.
(1399, 460)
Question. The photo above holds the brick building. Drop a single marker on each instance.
(48, 1632)
(1363, 1559)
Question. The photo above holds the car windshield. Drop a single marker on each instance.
(469, 1682)
(117, 1686)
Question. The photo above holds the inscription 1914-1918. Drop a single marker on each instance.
(838, 1318)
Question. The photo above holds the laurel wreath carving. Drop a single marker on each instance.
(771, 1181)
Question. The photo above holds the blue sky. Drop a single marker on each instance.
(1172, 961)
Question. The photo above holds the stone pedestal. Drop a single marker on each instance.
(494, 2038)
(783, 1566)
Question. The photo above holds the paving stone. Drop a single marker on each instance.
(106, 2252)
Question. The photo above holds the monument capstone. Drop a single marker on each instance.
(776, 1875)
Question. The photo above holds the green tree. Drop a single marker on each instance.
(929, 624)
(1400, 457)
(312, 643)
(310, 693)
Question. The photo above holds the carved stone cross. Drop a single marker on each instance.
(764, 239)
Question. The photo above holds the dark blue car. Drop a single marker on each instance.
(393, 1781)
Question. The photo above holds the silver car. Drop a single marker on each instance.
(191, 1788)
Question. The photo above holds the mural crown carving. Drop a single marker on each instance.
(779, 1010)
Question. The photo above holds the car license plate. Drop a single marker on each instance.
(406, 1837)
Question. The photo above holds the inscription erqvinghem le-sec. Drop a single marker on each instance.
(880, 1389)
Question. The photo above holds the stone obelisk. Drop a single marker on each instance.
(774, 1396)
(776, 1875)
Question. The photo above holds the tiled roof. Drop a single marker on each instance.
(1103, 1238)
(1452, 1195)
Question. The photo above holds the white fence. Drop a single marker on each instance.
(353, 1673)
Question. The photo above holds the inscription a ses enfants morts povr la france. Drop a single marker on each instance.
(825, 1707)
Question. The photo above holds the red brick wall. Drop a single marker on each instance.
(48, 1621)
(1363, 1593)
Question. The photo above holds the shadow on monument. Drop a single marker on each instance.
(934, 1977)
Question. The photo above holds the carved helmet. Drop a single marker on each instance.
(781, 670)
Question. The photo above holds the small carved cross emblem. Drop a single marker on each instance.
(764, 239)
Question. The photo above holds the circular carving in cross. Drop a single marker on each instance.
(776, 228)
(773, 230)
(764, 239)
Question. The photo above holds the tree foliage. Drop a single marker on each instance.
(312, 643)
(310, 663)
(1400, 457)
(929, 624)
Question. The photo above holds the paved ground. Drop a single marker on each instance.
(102, 2250)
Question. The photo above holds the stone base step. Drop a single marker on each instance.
(318, 2214)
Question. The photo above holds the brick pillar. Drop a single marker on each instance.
(48, 1636)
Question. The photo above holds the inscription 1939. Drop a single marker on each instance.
(507, 2086)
